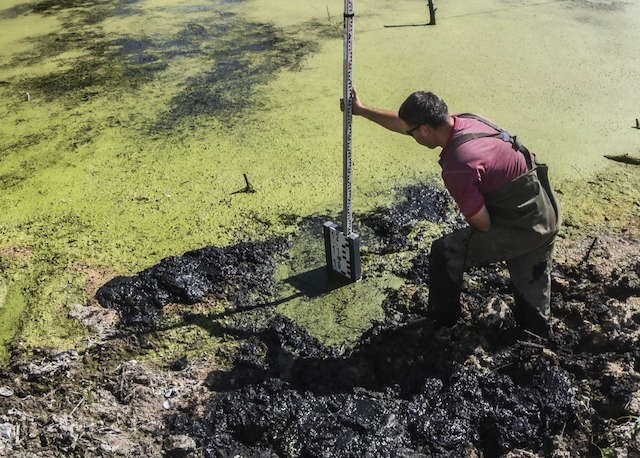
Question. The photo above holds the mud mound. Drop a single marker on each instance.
(361, 404)
(268, 352)
(242, 274)
(427, 201)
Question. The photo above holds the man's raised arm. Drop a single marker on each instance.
(385, 118)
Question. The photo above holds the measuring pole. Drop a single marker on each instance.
(342, 245)
(347, 217)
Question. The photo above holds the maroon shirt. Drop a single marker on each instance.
(477, 166)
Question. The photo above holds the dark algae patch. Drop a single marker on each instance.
(234, 58)
(243, 55)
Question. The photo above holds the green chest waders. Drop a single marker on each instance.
(525, 217)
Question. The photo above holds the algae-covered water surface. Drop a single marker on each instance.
(127, 126)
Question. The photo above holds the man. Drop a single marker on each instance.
(504, 196)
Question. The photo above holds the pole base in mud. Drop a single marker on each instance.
(343, 252)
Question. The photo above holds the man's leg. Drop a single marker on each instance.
(446, 267)
(531, 278)
(452, 254)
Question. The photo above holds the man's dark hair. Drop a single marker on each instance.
(424, 108)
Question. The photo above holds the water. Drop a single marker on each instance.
(144, 115)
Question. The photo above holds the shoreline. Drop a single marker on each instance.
(129, 392)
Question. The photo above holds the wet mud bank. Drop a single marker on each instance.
(379, 401)
(407, 388)
(242, 274)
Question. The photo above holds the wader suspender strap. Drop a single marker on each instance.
(501, 134)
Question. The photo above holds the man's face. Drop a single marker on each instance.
(424, 134)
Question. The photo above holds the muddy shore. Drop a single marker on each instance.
(406, 388)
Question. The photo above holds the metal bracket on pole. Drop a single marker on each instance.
(342, 245)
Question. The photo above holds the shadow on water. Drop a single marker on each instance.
(16, 11)
(312, 284)
(308, 285)
(316, 282)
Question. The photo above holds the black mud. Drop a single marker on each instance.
(424, 202)
(243, 274)
(398, 393)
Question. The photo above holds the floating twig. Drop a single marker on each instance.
(624, 158)
(406, 25)
(248, 188)
(432, 13)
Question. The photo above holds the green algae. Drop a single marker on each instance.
(334, 312)
(12, 305)
(609, 198)
(144, 116)
(34, 298)
(202, 336)
(50, 293)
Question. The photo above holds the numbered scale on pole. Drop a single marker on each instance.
(342, 245)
